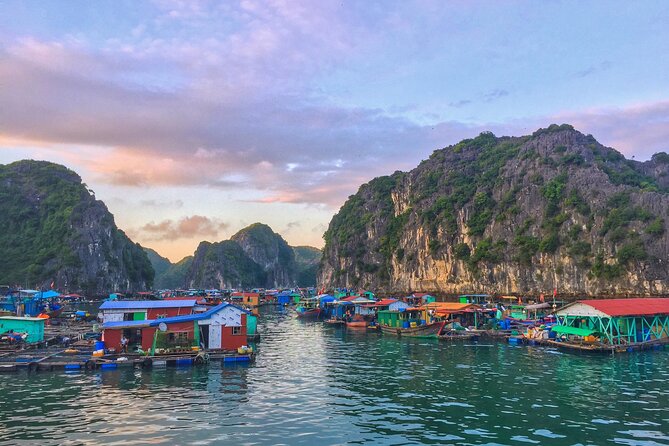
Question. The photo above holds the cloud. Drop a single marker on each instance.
(233, 101)
(594, 69)
(196, 226)
(495, 94)
(460, 103)
(175, 204)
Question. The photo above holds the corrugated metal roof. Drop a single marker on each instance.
(450, 306)
(384, 302)
(126, 324)
(645, 306)
(145, 304)
(171, 320)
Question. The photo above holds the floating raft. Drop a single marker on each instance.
(79, 361)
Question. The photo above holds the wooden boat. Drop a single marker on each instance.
(420, 331)
(455, 335)
(362, 325)
(335, 322)
(308, 313)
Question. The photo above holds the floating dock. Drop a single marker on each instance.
(72, 360)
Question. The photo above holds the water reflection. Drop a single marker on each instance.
(316, 384)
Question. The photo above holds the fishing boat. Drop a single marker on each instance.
(308, 313)
(418, 331)
(357, 322)
(410, 322)
(335, 321)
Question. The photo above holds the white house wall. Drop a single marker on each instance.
(117, 315)
(228, 316)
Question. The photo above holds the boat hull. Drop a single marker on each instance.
(312, 313)
(359, 325)
(422, 331)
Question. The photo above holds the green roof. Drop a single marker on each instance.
(564, 329)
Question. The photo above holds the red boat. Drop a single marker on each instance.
(358, 322)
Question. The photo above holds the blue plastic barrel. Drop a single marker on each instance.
(423, 322)
(405, 324)
(99, 345)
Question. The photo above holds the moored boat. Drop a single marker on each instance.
(418, 331)
(308, 313)
(357, 324)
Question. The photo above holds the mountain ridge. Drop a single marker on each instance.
(528, 214)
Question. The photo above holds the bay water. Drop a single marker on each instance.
(314, 384)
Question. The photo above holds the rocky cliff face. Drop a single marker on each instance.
(254, 257)
(555, 209)
(269, 250)
(54, 230)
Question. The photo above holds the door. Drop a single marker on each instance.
(204, 335)
(214, 336)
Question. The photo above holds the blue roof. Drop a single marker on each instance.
(126, 324)
(171, 320)
(47, 294)
(145, 304)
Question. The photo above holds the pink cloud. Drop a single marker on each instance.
(196, 226)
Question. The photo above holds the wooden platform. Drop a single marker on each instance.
(50, 360)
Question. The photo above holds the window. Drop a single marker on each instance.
(236, 330)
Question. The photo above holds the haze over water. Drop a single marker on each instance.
(314, 384)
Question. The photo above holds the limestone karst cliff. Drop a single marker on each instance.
(54, 231)
(554, 209)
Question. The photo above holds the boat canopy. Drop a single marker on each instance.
(564, 329)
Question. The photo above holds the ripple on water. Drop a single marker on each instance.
(315, 384)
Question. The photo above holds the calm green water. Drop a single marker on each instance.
(313, 384)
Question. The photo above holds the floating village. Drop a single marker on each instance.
(40, 331)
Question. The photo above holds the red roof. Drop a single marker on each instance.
(384, 302)
(645, 306)
(236, 294)
(419, 294)
(350, 298)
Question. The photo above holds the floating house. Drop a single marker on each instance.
(140, 310)
(32, 326)
(362, 305)
(615, 322)
(223, 327)
(248, 299)
(284, 298)
(424, 297)
(479, 299)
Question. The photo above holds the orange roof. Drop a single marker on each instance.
(450, 306)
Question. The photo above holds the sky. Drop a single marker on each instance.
(192, 119)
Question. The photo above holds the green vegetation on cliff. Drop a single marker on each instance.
(53, 229)
(530, 212)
